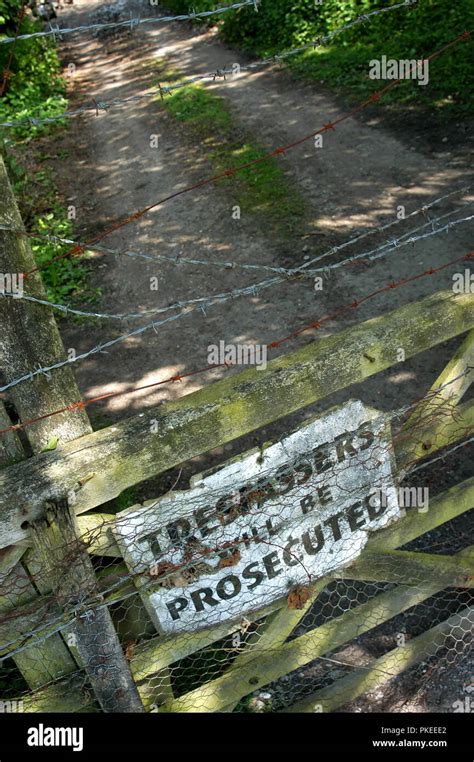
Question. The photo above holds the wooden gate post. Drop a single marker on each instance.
(41, 663)
(73, 580)
(30, 339)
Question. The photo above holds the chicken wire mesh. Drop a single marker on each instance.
(283, 612)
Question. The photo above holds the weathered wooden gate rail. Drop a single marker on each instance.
(97, 467)
(392, 663)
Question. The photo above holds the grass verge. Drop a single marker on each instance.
(263, 189)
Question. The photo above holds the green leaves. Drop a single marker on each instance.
(403, 33)
(52, 444)
(35, 87)
(64, 278)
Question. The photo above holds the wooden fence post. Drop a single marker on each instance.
(10, 445)
(72, 576)
(44, 662)
(30, 339)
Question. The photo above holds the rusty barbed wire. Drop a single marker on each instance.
(179, 260)
(230, 172)
(314, 325)
(205, 302)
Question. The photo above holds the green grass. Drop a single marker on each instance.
(345, 71)
(200, 110)
(262, 189)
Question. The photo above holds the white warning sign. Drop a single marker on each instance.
(264, 523)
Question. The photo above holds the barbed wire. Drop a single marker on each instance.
(433, 222)
(98, 105)
(443, 456)
(186, 307)
(178, 260)
(314, 325)
(421, 210)
(132, 22)
(232, 171)
(397, 243)
(255, 288)
(141, 212)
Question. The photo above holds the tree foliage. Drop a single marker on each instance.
(413, 32)
(34, 86)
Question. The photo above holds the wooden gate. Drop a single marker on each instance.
(62, 576)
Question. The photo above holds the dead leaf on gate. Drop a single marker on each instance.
(161, 569)
(231, 560)
(129, 649)
(298, 597)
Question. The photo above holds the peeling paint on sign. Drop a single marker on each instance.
(265, 522)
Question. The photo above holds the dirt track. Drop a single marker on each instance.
(356, 181)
